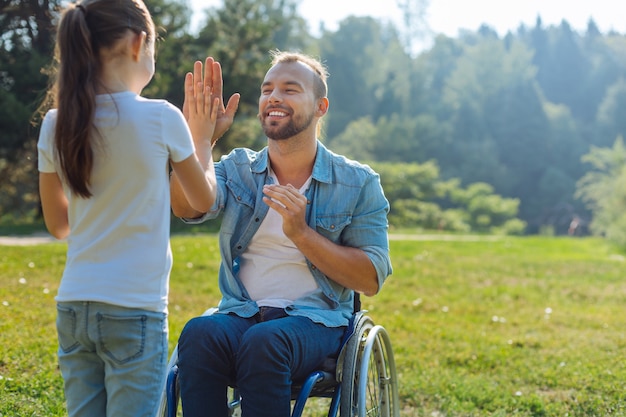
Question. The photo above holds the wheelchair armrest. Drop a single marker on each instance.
(210, 311)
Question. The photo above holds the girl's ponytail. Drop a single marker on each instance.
(76, 99)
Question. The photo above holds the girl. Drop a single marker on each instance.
(104, 156)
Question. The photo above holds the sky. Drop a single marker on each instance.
(449, 16)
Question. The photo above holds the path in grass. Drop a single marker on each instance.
(26, 240)
(45, 238)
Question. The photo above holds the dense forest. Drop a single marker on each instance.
(480, 132)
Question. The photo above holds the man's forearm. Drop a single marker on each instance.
(350, 267)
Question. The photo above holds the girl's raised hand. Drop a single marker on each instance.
(211, 77)
(200, 108)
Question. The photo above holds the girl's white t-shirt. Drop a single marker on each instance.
(118, 248)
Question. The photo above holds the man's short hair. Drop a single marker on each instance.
(320, 85)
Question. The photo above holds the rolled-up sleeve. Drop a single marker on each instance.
(369, 227)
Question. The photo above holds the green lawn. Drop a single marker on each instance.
(511, 326)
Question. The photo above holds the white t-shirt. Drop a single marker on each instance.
(272, 268)
(118, 248)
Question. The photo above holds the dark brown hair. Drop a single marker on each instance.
(85, 29)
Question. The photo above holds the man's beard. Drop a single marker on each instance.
(295, 126)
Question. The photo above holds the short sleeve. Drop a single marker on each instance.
(176, 134)
(45, 144)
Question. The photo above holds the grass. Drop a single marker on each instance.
(11, 228)
(515, 326)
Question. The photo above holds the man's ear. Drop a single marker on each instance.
(138, 45)
(322, 106)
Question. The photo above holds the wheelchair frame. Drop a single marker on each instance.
(364, 382)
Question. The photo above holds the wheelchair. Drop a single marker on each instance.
(360, 382)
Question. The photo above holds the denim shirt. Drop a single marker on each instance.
(346, 204)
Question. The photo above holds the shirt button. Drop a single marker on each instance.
(332, 226)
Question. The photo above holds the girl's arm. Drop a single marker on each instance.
(54, 204)
(203, 97)
(194, 178)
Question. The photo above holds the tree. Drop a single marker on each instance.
(567, 67)
(392, 139)
(171, 17)
(419, 198)
(556, 186)
(360, 57)
(429, 77)
(412, 191)
(499, 125)
(603, 189)
(25, 48)
(415, 22)
(472, 153)
(610, 120)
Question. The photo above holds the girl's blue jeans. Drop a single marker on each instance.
(113, 359)
(260, 355)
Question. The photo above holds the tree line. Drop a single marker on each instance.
(478, 133)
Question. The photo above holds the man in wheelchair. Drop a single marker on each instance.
(302, 230)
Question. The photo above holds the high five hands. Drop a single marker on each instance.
(204, 93)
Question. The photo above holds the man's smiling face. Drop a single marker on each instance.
(287, 102)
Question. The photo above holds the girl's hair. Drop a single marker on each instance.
(86, 29)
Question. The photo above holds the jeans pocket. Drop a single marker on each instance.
(66, 328)
(122, 338)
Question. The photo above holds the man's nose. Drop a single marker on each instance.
(275, 97)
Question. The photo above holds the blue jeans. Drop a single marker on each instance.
(261, 355)
(113, 359)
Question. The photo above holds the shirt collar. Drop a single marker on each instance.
(322, 168)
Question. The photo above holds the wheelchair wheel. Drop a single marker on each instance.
(368, 378)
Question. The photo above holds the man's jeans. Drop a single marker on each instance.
(260, 355)
(113, 359)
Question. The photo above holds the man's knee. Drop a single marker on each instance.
(199, 335)
(192, 330)
(266, 344)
